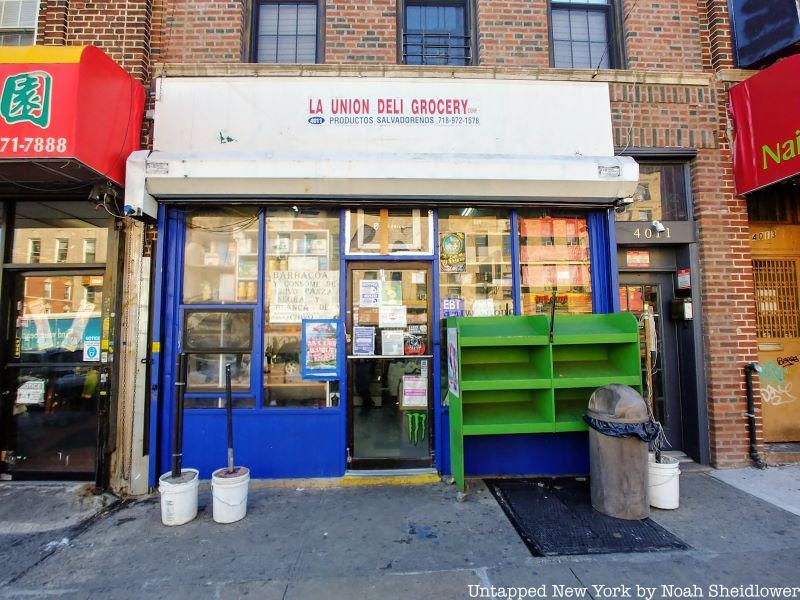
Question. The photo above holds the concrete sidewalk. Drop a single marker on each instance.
(779, 486)
(401, 542)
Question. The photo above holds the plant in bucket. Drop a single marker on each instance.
(178, 487)
(229, 485)
(663, 472)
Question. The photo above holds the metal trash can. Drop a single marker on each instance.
(619, 429)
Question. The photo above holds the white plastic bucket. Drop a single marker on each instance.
(229, 493)
(663, 485)
(179, 498)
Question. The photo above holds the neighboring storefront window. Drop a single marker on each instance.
(302, 282)
(389, 231)
(554, 257)
(44, 234)
(475, 270)
(660, 196)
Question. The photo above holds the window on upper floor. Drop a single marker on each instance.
(436, 32)
(17, 22)
(583, 34)
(285, 32)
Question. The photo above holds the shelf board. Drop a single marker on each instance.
(569, 415)
(594, 373)
(611, 328)
(514, 376)
(513, 417)
(504, 331)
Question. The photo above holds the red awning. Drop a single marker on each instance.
(766, 116)
(68, 116)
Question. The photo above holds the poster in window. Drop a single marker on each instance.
(415, 392)
(363, 341)
(319, 349)
(452, 361)
(392, 342)
(452, 253)
(369, 293)
(392, 293)
(392, 316)
(298, 295)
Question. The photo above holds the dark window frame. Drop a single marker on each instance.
(319, 53)
(470, 35)
(614, 31)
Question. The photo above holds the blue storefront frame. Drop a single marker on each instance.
(274, 442)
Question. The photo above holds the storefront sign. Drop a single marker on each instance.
(358, 115)
(415, 392)
(684, 279)
(452, 255)
(319, 349)
(369, 293)
(452, 307)
(299, 295)
(69, 102)
(363, 341)
(766, 147)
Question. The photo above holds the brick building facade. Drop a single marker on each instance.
(668, 67)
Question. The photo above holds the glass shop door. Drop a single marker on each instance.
(389, 365)
(54, 377)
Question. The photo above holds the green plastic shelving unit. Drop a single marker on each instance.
(511, 379)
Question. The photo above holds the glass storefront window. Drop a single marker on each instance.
(55, 325)
(554, 256)
(302, 282)
(215, 330)
(389, 231)
(59, 233)
(660, 195)
(221, 256)
(475, 270)
(206, 372)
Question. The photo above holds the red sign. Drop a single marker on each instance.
(71, 103)
(766, 118)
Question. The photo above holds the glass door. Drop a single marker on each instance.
(389, 365)
(54, 377)
(652, 292)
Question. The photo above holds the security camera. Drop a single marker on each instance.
(659, 226)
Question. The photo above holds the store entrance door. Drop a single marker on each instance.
(389, 365)
(52, 381)
(638, 291)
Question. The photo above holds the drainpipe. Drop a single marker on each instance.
(749, 369)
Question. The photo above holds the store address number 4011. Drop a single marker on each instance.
(650, 233)
(36, 144)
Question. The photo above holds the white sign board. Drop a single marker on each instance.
(31, 392)
(331, 115)
(298, 295)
